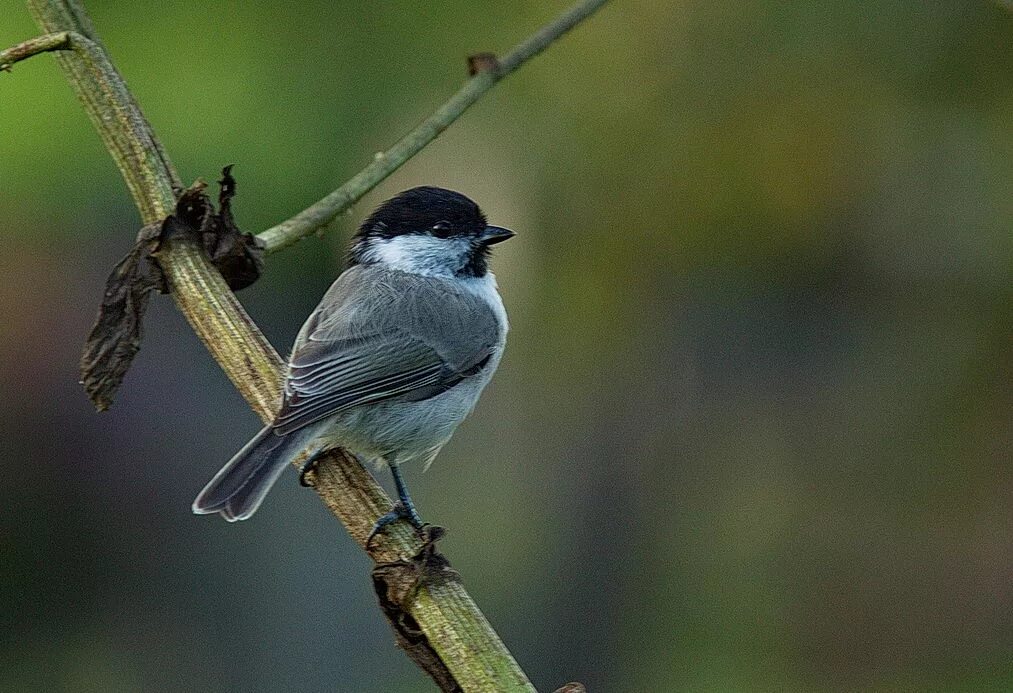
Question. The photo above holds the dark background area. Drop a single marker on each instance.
(752, 430)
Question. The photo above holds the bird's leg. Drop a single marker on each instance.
(403, 508)
(411, 514)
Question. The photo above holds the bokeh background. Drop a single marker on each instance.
(752, 431)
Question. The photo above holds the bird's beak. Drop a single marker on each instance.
(495, 234)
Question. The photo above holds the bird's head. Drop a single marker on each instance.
(428, 231)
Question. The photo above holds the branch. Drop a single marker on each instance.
(26, 49)
(434, 618)
(323, 212)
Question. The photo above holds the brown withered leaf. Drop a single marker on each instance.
(238, 256)
(115, 338)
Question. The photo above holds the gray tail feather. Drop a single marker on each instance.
(240, 487)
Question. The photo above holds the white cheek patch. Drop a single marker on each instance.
(421, 254)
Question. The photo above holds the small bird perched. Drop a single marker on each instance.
(394, 357)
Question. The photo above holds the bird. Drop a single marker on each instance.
(393, 358)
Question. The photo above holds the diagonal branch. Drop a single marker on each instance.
(435, 619)
(489, 72)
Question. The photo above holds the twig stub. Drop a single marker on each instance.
(482, 62)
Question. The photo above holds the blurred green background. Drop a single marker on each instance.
(752, 431)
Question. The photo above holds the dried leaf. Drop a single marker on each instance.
(238, 256)
(115, 338)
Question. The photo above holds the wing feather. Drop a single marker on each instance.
(399, 337)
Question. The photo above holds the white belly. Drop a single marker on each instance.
(405, 431)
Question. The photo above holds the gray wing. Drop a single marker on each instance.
(379, 335)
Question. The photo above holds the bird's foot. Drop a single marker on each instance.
(310, 467)
(400, 511)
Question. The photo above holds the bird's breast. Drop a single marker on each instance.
(485, 289)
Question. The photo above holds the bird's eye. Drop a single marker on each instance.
(441, 229)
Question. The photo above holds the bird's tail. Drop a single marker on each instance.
(239, 488)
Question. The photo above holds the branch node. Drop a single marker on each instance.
(403, 578)
(482, 62)
(396, 583)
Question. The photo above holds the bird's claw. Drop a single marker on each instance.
(399, 511)
(308, 467)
